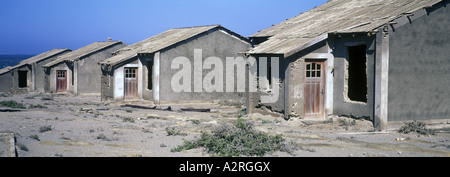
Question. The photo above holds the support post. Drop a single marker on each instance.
(381, 79)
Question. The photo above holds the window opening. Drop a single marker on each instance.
(357, 77)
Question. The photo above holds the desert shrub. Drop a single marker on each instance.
(172, 131)
(38, 106)
(47, 97)
(128, 119)
(102, 137)
(12, 104)
(35, 137)
(416, 127)
(45, 128)
(195, 121)
(5, 95)
(239, 139)
(345, 123)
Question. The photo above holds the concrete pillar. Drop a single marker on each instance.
(381, 79)
(248, 94)
(286, 84)
(156, 77)
(250, 85)
(33, 76)
(75, 77)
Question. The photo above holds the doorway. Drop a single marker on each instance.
(314, 90)
(23, 79)
(131, 83)
(61, 81)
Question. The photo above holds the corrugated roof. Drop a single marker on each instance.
(41, 57)
(157, 43)
(335, 16)
(84, 51)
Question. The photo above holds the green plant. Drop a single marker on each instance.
(344, 123)
(328, 121)
(38, 106)
(237, 140)
(4, 95)
(102, 137)
(266, 122)
(128, 119)
(195, 121)
(241, 113)
(172, 131)
(12, 104)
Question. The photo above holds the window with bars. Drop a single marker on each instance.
(314, 70)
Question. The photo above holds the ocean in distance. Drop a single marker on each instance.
(12, 60)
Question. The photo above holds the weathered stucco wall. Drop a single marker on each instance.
(107, 86)
(290, 101)
(5, 82)
(40, 71)
(341, 104)
(51, 76)
(15, 82)
(296, 78)
(218, 44)
(88, 70)
(118, 79)
(419, 67)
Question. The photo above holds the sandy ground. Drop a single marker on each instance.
(84, 126)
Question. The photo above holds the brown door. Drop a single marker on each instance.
(61, 81)
(314, 89)
(131, 83)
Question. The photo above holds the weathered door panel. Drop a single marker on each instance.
(61, 81)
(314, 89)
(131, 83)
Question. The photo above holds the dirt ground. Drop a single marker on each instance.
(84, 126)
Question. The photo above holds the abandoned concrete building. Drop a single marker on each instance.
(28, 75)
(143, 70)
(384, 60)
(78, 72)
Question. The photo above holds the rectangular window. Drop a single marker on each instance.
(150, 75)
(23, 79)
(357, 77)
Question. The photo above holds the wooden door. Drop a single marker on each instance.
(61, 81)
(314, 89)
(131, 83)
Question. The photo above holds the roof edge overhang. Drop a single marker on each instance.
(315, 41)
(120, 62)
(76, 58)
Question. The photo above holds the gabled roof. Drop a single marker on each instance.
(40, 57)
(82, 52)
(335, 16)
(5, 70)
(159, 42)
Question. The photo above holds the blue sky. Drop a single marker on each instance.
(36, 26)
